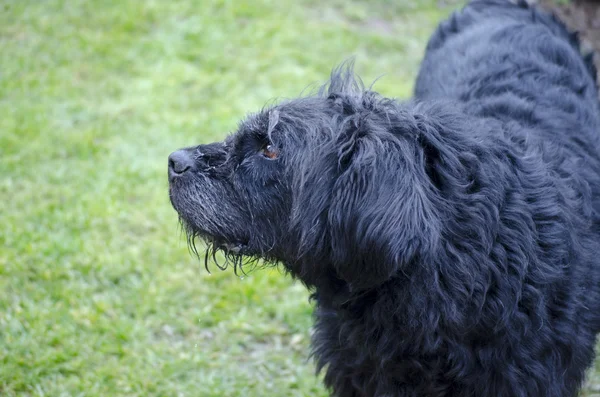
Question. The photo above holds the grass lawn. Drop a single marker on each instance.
(98, 293)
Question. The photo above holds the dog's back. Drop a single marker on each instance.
(512, 58)
(518, 64)
(490, 35)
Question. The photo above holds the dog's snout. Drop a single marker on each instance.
(180, 162)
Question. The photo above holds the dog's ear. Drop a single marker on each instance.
(367, 205)
(381, 215)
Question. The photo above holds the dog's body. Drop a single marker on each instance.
(452, 242)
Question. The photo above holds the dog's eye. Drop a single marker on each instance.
(270, 152)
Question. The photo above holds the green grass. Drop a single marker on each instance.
(98, 293)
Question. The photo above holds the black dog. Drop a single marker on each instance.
(452, 242)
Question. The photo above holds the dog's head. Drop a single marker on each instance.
(333, 185)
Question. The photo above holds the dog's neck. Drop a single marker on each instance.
(340, 295)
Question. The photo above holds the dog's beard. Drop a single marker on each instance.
(221, 253)
(203, 216)
(215, 235)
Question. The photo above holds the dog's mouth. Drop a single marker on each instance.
(236, 248)
(214, 243)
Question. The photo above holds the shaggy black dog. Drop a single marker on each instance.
(453, 241)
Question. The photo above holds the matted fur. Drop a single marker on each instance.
(452, 241)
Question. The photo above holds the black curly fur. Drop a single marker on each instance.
(451, 241)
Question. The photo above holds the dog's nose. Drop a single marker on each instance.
(180, 162)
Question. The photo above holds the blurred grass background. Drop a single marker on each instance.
(98, 293)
